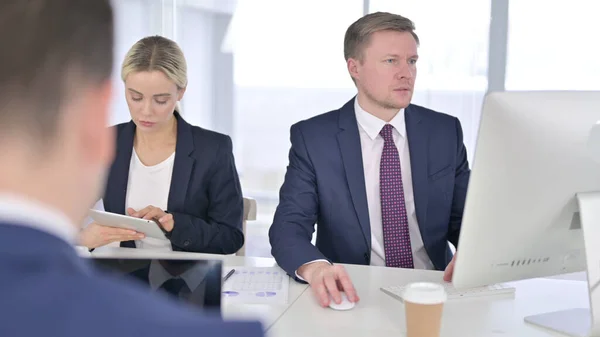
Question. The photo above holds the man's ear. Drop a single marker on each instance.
(98, 138)
(353, 65)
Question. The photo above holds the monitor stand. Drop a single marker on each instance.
(581, 322)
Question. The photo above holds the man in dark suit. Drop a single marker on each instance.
(384, 179)
(55, 150)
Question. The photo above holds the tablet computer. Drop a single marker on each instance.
(149, 227)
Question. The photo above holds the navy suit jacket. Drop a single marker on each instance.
(47, 290)
(325, 184)
(205, 196)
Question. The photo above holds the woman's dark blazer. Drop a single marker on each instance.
(205, 196)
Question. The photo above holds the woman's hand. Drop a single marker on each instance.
(151, 212)
(96, 235)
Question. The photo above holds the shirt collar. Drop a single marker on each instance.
(21, 211)
(373, 125)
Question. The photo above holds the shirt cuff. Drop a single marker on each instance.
(296, 272)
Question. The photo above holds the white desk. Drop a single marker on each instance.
(378, 314)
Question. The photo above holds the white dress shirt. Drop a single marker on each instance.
(149, 185)
(371, 143)
(20, 211)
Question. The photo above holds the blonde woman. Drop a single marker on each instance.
(166, 169)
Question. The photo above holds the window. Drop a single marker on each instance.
(288, 66)
(558, 52)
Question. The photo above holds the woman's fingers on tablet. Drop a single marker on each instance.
(142, 212)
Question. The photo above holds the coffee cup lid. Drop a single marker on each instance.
(425, 293)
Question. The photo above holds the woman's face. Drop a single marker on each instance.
(151, 97)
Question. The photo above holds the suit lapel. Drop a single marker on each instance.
(116, 189)
(183, 165)
(418, 144)
(350, 148)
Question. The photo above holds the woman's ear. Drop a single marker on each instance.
(180, 93)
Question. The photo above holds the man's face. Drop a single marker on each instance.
(387, 71)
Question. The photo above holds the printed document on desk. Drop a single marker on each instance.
(256, 285)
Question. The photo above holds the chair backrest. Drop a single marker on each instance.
(249, 215)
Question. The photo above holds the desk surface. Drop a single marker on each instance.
(378, 314)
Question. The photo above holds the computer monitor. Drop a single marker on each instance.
(192, 281)
(533, 201)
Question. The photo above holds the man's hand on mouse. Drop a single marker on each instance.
(326, 279)
(449, 270)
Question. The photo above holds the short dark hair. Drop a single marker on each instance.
(358, 34)
(50, 49)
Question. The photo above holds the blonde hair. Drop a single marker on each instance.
(157, 53)
(358, 34)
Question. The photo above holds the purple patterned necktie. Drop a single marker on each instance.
(396, 238)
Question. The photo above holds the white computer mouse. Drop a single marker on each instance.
(345, 304)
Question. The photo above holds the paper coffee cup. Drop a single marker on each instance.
(424, 303)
